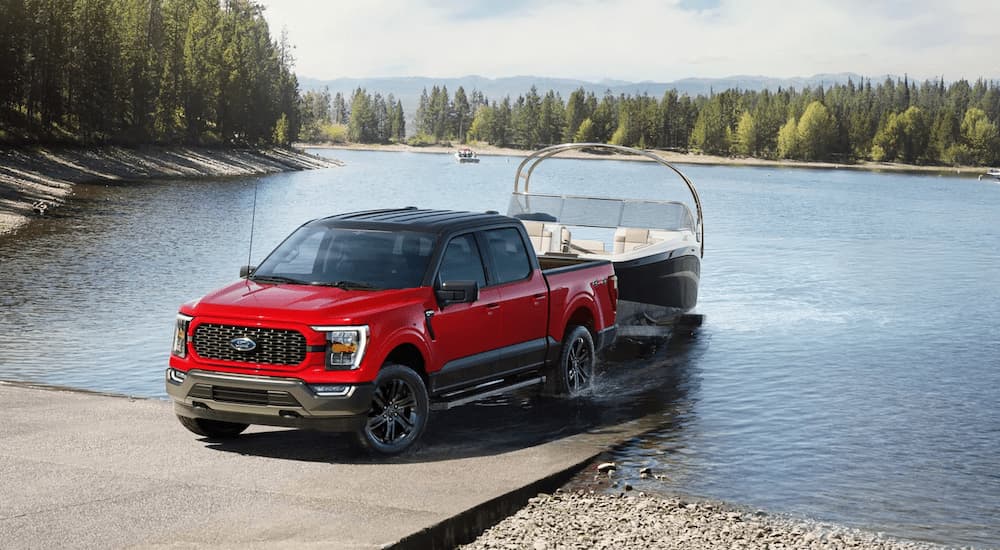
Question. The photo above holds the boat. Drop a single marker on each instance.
(466, 155)
(991, 173)
(656, 246)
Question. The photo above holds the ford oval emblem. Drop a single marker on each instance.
(243, 344)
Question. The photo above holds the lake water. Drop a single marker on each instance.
(848, 369)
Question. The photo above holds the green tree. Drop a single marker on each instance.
(745, 142)
(463, 114)
(480, 129)
(816, 132)
(202, 61)
(585, 133)
(711, 134)
(576, 112)
(980, 135)
(788, 140)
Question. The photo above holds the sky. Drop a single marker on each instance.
(640, 40)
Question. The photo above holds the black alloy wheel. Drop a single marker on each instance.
(399, 411)
(576, 363)
(575, 371)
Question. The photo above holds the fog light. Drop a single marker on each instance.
(332, 390)
(175, 376)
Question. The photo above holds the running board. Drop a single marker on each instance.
(456, 399)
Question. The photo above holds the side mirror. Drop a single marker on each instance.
(457, 292)
(247, 270)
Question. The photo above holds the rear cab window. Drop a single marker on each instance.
(509, 257)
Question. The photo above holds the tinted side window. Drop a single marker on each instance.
(508, 253)
(462, 261)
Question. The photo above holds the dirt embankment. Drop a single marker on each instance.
(37, 179)
(669, 156)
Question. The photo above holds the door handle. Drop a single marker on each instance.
(540, 297)
(493, 306)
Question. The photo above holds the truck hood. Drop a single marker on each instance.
(300, 303)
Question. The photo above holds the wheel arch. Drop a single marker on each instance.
(582, 315)
(409, 355)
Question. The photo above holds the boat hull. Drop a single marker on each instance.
(667, 279)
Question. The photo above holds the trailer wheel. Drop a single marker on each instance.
(212, 429)
(575, 370)
(398, 413)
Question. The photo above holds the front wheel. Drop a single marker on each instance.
(575, 370)
(212, 429)
(398, 413)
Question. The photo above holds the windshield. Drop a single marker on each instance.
(348, 258)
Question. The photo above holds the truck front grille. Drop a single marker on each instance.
(273, 346)
(243, 396)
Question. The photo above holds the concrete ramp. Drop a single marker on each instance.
(81, 470)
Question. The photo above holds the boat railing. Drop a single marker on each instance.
(583, 211)
(527, 167)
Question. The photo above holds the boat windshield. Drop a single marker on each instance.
(602, 212)
(316, 254)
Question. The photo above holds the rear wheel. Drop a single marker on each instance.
(212, 429)
(398, 413)
(575, 370)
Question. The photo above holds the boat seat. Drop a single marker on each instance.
(588, 245)
(628, 239)
(541, 237)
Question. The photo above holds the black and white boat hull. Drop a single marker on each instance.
(668, 279)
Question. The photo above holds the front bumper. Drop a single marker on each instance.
(267, 400)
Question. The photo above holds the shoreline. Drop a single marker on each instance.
(670, 156)
(634, 520)
(46, 176)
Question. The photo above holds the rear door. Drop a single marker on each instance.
(523, 297)
(467, 336)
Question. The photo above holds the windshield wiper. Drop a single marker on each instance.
(276, 279)
(348, 285)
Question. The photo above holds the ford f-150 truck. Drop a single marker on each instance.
(364, 322)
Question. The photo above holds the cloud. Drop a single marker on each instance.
(639, 39)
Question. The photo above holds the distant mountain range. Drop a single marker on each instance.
(408, 89)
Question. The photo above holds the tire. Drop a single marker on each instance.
(398, 414)
(574, 372)
(212, 429)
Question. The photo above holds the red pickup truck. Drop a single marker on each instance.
(364, 322)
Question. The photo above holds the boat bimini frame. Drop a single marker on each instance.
(520, 200)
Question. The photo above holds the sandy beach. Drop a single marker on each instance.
(35, 180)
(670, 156)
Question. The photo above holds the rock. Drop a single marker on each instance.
(540, 545)
(647, 470)
(606, 467)
(628, 487)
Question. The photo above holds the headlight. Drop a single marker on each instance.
(345, 346)
(180, 335)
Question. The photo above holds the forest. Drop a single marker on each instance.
(200, 72)
(898, 120)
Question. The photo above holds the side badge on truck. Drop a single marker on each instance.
(243, 344)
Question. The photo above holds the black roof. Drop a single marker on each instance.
(416, 219)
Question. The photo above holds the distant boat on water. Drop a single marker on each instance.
(991, 173)
(466, 155)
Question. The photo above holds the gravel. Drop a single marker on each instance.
(588, 520)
